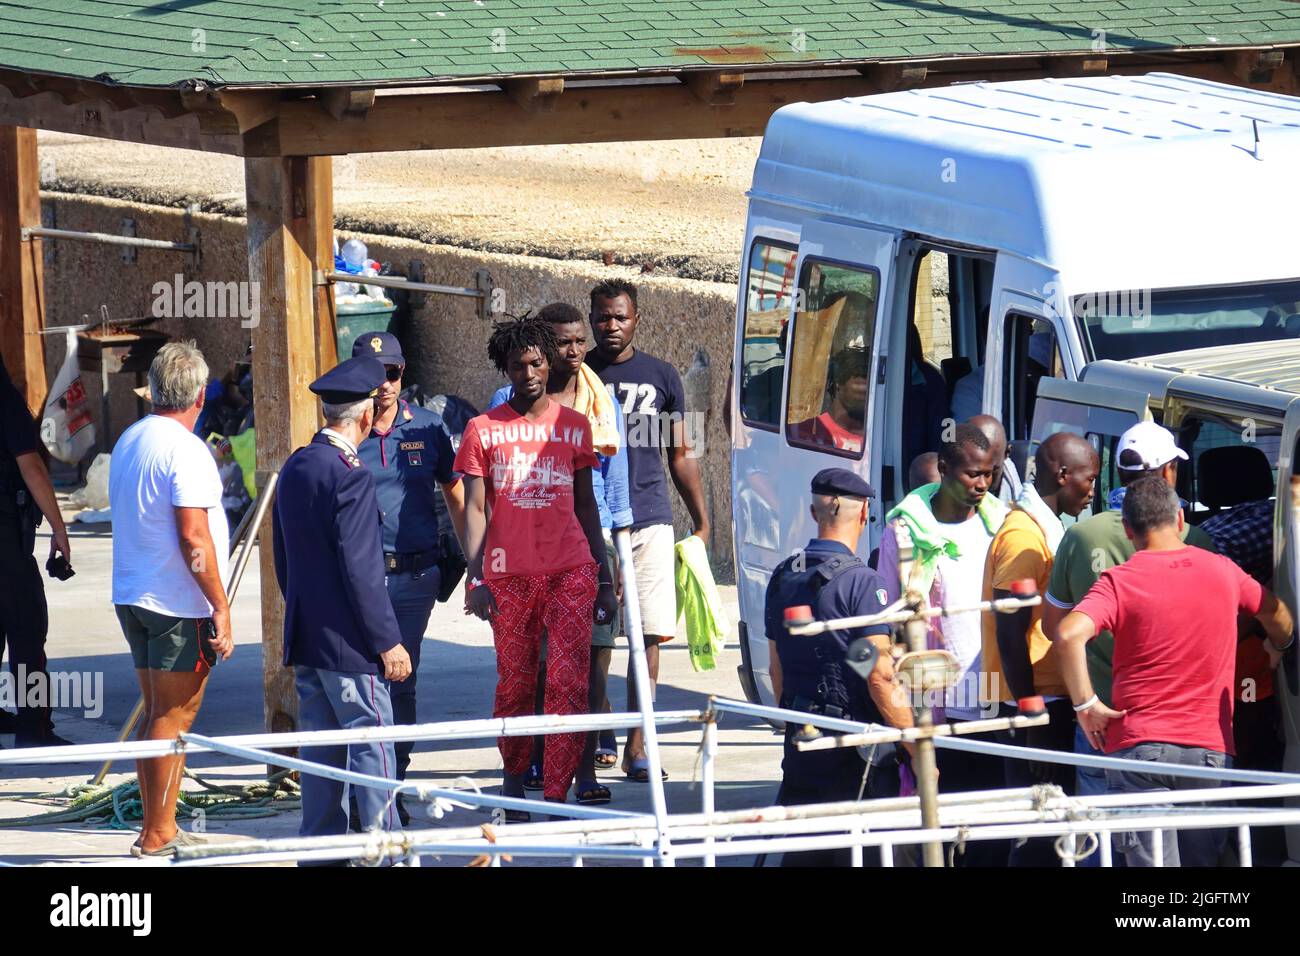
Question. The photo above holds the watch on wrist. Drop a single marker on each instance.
(472, 583)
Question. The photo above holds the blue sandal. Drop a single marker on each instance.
(639, 770)
(590, 793)
(533, 779)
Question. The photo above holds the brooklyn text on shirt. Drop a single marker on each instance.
(573, 435)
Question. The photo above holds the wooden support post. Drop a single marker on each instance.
(321, 182)
(22, 274)
(284, 211)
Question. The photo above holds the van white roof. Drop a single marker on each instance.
(1121, 182)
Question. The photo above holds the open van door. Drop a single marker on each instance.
(812, 404)
(1286, 584)
(1100, 413)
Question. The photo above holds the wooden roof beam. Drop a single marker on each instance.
(1088, 64)
(534, 94)
(714, 87)
(1254, 66)
(338, 100)
(890, 77)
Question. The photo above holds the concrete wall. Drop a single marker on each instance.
(445, 340)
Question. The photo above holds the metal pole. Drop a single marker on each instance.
(255, 528)
(1244, 853)
(707, 774)
(927, 768)
(397, 282)
(449, 730)
(107, 238)
(641, 677)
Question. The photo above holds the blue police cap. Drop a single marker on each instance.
(381, 345)
(841, 481)
(350, 381)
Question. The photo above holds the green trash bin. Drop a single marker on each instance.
(357, 319)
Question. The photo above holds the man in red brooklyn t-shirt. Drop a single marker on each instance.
(534, 549)
(1173, 611)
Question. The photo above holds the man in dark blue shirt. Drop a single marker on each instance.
(811, 673)
(654, 407)
(409, 455)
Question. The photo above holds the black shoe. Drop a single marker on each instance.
(50, 739)
(8, 722)
(354, 817)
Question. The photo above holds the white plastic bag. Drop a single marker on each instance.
(95, 494)
(67, 430)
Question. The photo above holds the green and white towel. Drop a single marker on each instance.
(698, 600)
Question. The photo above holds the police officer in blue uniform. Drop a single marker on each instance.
(344, 645)
(409, 455)
(814, 674)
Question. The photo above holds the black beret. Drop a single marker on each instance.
(841, 481)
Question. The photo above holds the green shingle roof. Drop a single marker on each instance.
(315, 42)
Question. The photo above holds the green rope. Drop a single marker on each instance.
(119, 807)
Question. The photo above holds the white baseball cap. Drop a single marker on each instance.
(1155, 446)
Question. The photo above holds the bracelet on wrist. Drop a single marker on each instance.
(1080, 708)
(1286, 646)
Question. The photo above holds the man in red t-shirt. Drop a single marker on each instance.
(538, 561)
(1173, 611)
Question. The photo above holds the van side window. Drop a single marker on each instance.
(830, 356)
(1229, 463)
(1032, 353)
(950, 314)
(769, 294)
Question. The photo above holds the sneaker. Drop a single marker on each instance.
(182, 838)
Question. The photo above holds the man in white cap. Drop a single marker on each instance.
(1100, 543)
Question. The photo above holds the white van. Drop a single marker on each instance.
(1024, 230)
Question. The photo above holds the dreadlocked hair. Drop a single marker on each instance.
(518, 335)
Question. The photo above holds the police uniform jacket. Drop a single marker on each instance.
(814, 675)
(329, 562)
(406, 463)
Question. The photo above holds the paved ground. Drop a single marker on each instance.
(456, 682)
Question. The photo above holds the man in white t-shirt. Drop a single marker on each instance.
(170, 547)
(952, 524)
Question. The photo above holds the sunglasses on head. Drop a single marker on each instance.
(393, 372)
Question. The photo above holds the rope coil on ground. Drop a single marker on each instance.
(119, 806)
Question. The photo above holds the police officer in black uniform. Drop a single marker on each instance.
(812, 673)
(26, 494)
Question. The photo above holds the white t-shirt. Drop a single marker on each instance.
(963, 583)
(159, 466)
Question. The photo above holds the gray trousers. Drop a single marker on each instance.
(412, 594)
(1181, 848)
(334, 700)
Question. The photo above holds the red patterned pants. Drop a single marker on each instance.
(561, 603)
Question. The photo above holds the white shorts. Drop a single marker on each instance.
(653, 560)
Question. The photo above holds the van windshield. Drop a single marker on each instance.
(1141, 322)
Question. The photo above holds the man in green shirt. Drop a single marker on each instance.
(1092, 546)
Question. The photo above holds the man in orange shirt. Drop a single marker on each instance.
(1018, 659)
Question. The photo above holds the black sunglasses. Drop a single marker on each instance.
(393, 372)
